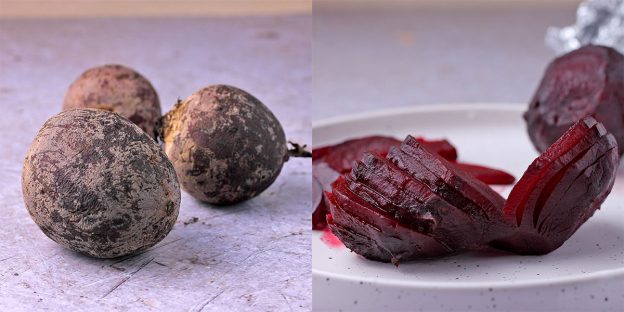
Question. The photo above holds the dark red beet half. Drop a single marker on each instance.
(373, 233)
(588, 81)
(561, 189)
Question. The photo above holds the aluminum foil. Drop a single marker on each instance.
(599, 22)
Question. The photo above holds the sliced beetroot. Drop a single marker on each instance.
(340, 157)
(385, 186)
(561, 189)
(318, 205)
(374, 234)
(487, 175)
(487, 203)
(588, 81)
(324, 176)
(330, 161)
(436, 184)
(440, 147)
(520, 203)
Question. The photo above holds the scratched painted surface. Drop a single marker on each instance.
(254, 256)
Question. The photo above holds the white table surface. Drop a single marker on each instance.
(254, 256)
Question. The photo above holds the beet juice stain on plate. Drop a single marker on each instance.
(330, 239)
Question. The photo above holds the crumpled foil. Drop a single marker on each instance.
(599, 22)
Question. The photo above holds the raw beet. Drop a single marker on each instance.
(96, 183)
(225, 145)
(585, 82)
(561, 189)
(118, 89)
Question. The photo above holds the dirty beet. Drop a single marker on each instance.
(225, 145)
(97, 184)
(118, 89)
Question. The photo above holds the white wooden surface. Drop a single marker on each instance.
(254, 256)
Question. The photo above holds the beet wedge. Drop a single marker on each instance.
(561, 189)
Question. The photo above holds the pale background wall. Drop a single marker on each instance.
(369, 58)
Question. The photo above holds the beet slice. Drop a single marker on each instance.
(383, 185)
(440, 147)
(340, 157)
(456, 186)
(570, 145)
(374, 234)
(318, 205)
(487, 175)
(561, 189)
(588, 81)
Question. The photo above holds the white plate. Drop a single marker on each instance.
(586, 273)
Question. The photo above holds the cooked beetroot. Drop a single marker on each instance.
(415, 204)
(588, 81)
(389, 188)
(440, 147)
(561, 189)
(325, 176)
(432, 202)
(340, 157)
(117, 89)
(319, 210)
(329, 161)
(487, 175)
(96, 183)
(373, 234)
(456, 186)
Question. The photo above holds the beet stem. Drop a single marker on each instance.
(298, 150)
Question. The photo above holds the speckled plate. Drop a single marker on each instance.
(586, 273)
